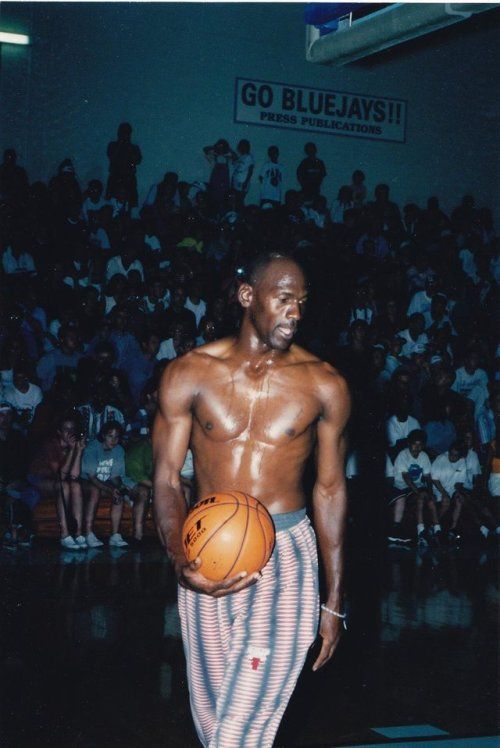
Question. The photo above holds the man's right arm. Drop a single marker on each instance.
(171, 434)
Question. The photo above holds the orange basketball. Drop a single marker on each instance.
(230, 532)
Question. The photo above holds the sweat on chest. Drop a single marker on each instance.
(262, 411)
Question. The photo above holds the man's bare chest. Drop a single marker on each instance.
(270, 409)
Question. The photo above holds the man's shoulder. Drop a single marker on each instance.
(322, 377)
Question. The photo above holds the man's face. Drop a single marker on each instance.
(453, 455)
(178, 298)
(69, 341)
(152, 345)
(21, 381)
(416, 325)
(415, 448)
(471, 363)
(277, 303)
(67, 432)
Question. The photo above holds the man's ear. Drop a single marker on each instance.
(245, 295)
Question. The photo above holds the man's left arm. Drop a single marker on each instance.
(330, 506)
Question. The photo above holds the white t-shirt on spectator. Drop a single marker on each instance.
(22, 264)
(420, 302)
(166, 350)
(397, 430)
(241, 169)
(410, 344)
(115, 265)
(464, 382)
(472, 467)
(416, 467)
(272, 179)
(24, 400)
(199, 310)
(89, 205)
(153, 242)
(448, 473)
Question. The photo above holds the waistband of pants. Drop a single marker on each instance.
(288, 519)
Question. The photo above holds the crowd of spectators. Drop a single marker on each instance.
(99, 293)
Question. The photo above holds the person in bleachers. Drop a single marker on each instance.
(124, 158)
(399, 425)
(55, 472)
(17, 497)
(66, 356)
(104, 474)
(16, 258)
(449, 475)
(311, 172)
(412, 480)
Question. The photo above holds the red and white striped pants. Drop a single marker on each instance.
(245, 651)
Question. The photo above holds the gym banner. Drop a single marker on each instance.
(292, 107)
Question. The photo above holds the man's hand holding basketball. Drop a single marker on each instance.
(189, 576)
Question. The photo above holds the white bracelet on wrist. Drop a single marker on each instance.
(335, 613)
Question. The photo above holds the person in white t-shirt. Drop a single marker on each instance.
(23, 395)
(421, 300)
(477, 509)
(242, 172)
(124, 264)
(399, 425)
(412, 472)
(449, 474)
(94, 200)
(471, 381)
(271, 178)
(414, 335)
(16, 259)
(194, 302)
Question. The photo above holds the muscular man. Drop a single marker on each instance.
(252, 408)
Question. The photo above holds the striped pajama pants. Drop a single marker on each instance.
(244, 652)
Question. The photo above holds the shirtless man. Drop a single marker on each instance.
(252, 408)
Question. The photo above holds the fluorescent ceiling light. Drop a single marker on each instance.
(7, 38)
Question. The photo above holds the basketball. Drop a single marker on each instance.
(231, 533)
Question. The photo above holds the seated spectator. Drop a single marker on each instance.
(421, 300)
(17, 498)
(99, 241)
(55, 473)
(125, 262)
(412, 472)
(400, 425)
(178, 314)
(16, 259)
(437, 318)
(471, 381)
(419, 274)
(378, 373)
(179, 344)
(98, 410)
(194, 303)
(12, 354)
(93, 199)
(124, 342)
(375, 237)
(23, 395)
(361, 308)
(486, 423)
(393, 360)
(157, 299)
(139, 468)
(343, 202)
(207, 332)
(440, 431)
(103, 471)
(414, 335)
(65, 357)
(449, 474)
(141, 366)
(385, 210)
